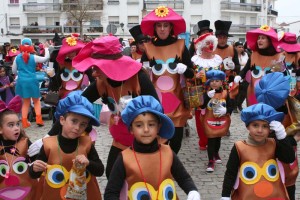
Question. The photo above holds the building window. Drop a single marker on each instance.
(133, 20)
(14, 1)
(113, 20)
(242, 20)
(14, 21)
(243, 1)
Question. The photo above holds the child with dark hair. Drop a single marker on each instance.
(7, 85)
(15, 182)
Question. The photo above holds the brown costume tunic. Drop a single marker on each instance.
(259, 175)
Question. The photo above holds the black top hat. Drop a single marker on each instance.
(222, 27)
(137, 34)
(57, 40)
(203, 26)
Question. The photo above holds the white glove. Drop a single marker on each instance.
(211, 93)
(237, 79)
(220, 111)
(180, 68)
(279, 129)
(225, 198)
(193, 195)
(35, 147)
(50, 71)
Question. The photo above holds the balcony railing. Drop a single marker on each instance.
(41, 7)
(239, 28)
(88, 7)
(225, 5)
(61, 29)
(41, 29)
(177, 4)
(132, 1)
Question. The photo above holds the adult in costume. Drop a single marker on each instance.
(204, 60)
(139, 40)
(265, 58)
(27, 84)
(170, 64)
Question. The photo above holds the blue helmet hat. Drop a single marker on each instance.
(26, 41)
(273, 89)
(260, 111)
(214, 74)
(145, 103)
(75, 103)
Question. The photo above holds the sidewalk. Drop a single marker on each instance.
(194, 160)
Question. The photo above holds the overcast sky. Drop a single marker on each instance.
(288, 10)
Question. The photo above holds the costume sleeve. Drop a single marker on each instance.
(229, 104)
(186, 59)
(40, 59)
(284, 151)
(231, 172)
(14, 67)
(91, 92)
(147, 87)
(96, 166)
(41, 156)
(205, 100)
(246, 68)
(236, 61)
(181, 176)
(116, 180)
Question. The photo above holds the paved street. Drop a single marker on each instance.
(195, 161)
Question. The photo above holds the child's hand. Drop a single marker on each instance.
(82, 159)
(279, 129)
(39, 166)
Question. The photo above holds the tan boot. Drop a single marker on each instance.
(39, 120)
(25, 123)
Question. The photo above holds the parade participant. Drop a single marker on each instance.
(217, 108)
(256, 175)
(204, 60)
(243, 58)
(263, 42)
(58, 153)
(7, 85)
(139, 40)
(15, 180)
(170, 64)
(145, 119)
(27, 84)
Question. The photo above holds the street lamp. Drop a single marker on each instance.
(122, 27)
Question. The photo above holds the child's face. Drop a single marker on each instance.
(2, 72)
(10, 127)
(215, 84)
(145, 128)
(73, 125)
(259, 130)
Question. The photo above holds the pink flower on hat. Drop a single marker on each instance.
(161, 11)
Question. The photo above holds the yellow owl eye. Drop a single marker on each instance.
(271, 170)
(57, 176)
(138, 191)
(167, 190)
(250, 173)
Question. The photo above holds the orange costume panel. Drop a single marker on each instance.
(60, 164)
(167, 82)
(259, 176)
(15, 182)
(224, 53)
(260, 65)
(160, 189)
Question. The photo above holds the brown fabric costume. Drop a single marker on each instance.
(57, 157)
(266, 183)
(224, 53)
(178, 114)
(18, 172)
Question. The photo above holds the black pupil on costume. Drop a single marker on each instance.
(158, 67)
(60, 177)
(172, 65)
(273, 171)
(3, 171)
(20, 168)
(111, 107)
(170, 195)
(256, 71)
(249, 174)
(145, 197)
(268, 71)
(76, 74)
(65, 74)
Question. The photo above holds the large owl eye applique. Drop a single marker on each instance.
(65, 75)
(76, 75)
(57, 176)
(138, 191)
(171, 68)
(257, 72)
(4, 168)
(250, 172)
(159, 69)
(20, 166)
(167, 190)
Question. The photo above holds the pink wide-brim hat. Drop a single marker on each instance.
(13, 52)
(67, 48)
(106, 53)
(251, 37)
(289, 43)
(162, 14)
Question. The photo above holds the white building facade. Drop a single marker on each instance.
(40, 19)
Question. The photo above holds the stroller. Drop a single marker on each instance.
(45, 108)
